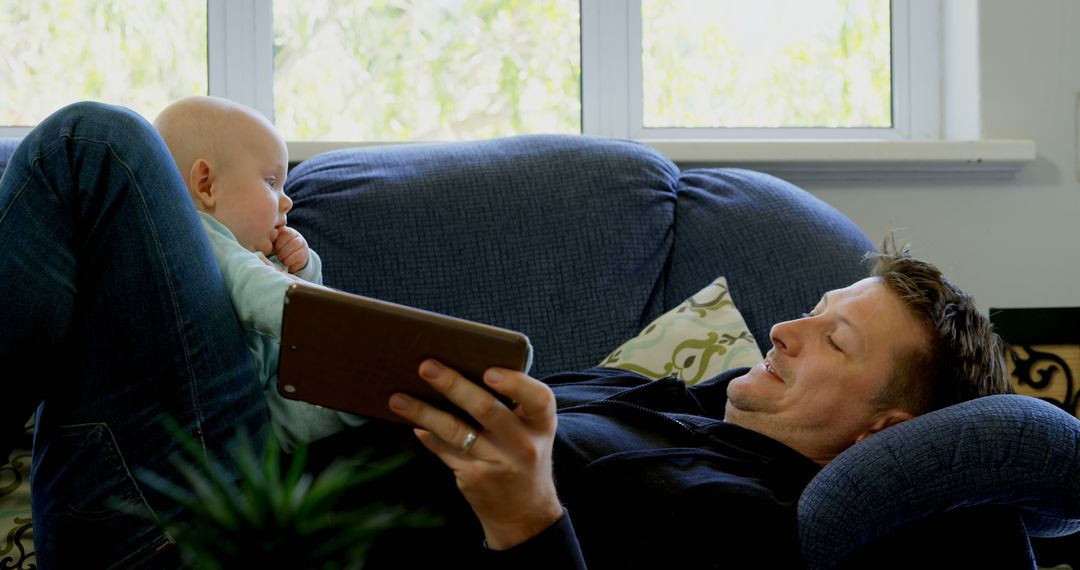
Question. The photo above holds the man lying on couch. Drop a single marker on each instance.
(114, 318)
(710, 474)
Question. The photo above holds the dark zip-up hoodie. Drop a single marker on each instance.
(655, 478)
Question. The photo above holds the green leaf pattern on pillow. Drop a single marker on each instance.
(702, 337)
(16, 531)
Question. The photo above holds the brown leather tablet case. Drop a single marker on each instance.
(350, 352)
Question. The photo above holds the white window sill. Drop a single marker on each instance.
(821, 159)
(858, 160)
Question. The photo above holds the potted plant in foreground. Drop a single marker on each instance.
(274, 517)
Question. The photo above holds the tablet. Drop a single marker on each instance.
(351, 353)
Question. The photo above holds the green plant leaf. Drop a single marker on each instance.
(248, 511)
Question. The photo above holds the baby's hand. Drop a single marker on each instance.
(291, 249)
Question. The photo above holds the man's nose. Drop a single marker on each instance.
(785, 337)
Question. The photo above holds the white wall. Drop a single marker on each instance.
(1010, 243)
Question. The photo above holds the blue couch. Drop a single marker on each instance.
(579, 242)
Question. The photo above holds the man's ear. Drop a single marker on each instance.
(201, 182)
(884, 419)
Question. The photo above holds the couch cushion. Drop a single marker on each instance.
(564, 238)
(576, 241)
(779, 247)
(1004, 450)
(7, 146)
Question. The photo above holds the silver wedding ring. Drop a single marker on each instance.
(470, 439)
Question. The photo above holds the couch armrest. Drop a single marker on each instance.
(1004, 450)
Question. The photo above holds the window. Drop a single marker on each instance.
(766, 64)
(766, 69)
(426, 69)
(370, 70)
(141, 54)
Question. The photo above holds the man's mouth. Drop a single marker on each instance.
(769, 368)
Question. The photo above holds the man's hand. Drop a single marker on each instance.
(504, 469)
(291, 249)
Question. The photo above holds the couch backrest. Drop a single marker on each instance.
(779, 247)
(576, 241)
(7, 146)
(563, 238)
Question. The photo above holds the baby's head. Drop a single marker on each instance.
(233, 162)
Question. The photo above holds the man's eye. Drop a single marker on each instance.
(833, 344)
(808, 315)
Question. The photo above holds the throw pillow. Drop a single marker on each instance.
(16, 534)
(702, 337)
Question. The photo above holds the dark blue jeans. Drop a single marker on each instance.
(114, 316)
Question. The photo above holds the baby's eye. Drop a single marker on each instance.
(833, 344)
(808, 315)
(270, 181)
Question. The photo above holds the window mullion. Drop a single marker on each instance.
(635, 81)
(921, 81)
(606, 91)
(240, 51)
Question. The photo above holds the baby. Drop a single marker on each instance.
(234, 164)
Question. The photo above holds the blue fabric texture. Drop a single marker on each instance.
(562, 238)
(779, 247)
(577, 242)
(7, 147)
(998, 450)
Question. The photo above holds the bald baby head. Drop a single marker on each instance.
(212, 129)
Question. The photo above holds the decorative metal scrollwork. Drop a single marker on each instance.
(1043, 370)
(13, 549)
(16, 549)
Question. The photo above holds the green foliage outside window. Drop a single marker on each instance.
(140, 54)
(426, 69)
(766, 63)
(382, 70)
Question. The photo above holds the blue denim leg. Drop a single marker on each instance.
(115, 315)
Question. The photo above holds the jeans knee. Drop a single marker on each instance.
(94, 120)
(94, 110)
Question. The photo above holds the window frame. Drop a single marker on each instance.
(240, 67)
(912, 149)
(611, 32)
(240, 52)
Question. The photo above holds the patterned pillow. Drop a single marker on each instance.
(16, 534)
(702, 337)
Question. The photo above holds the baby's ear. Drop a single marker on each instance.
(201, 182)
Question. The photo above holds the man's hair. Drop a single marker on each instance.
(964, 357)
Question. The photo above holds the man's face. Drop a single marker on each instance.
(814, 390)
